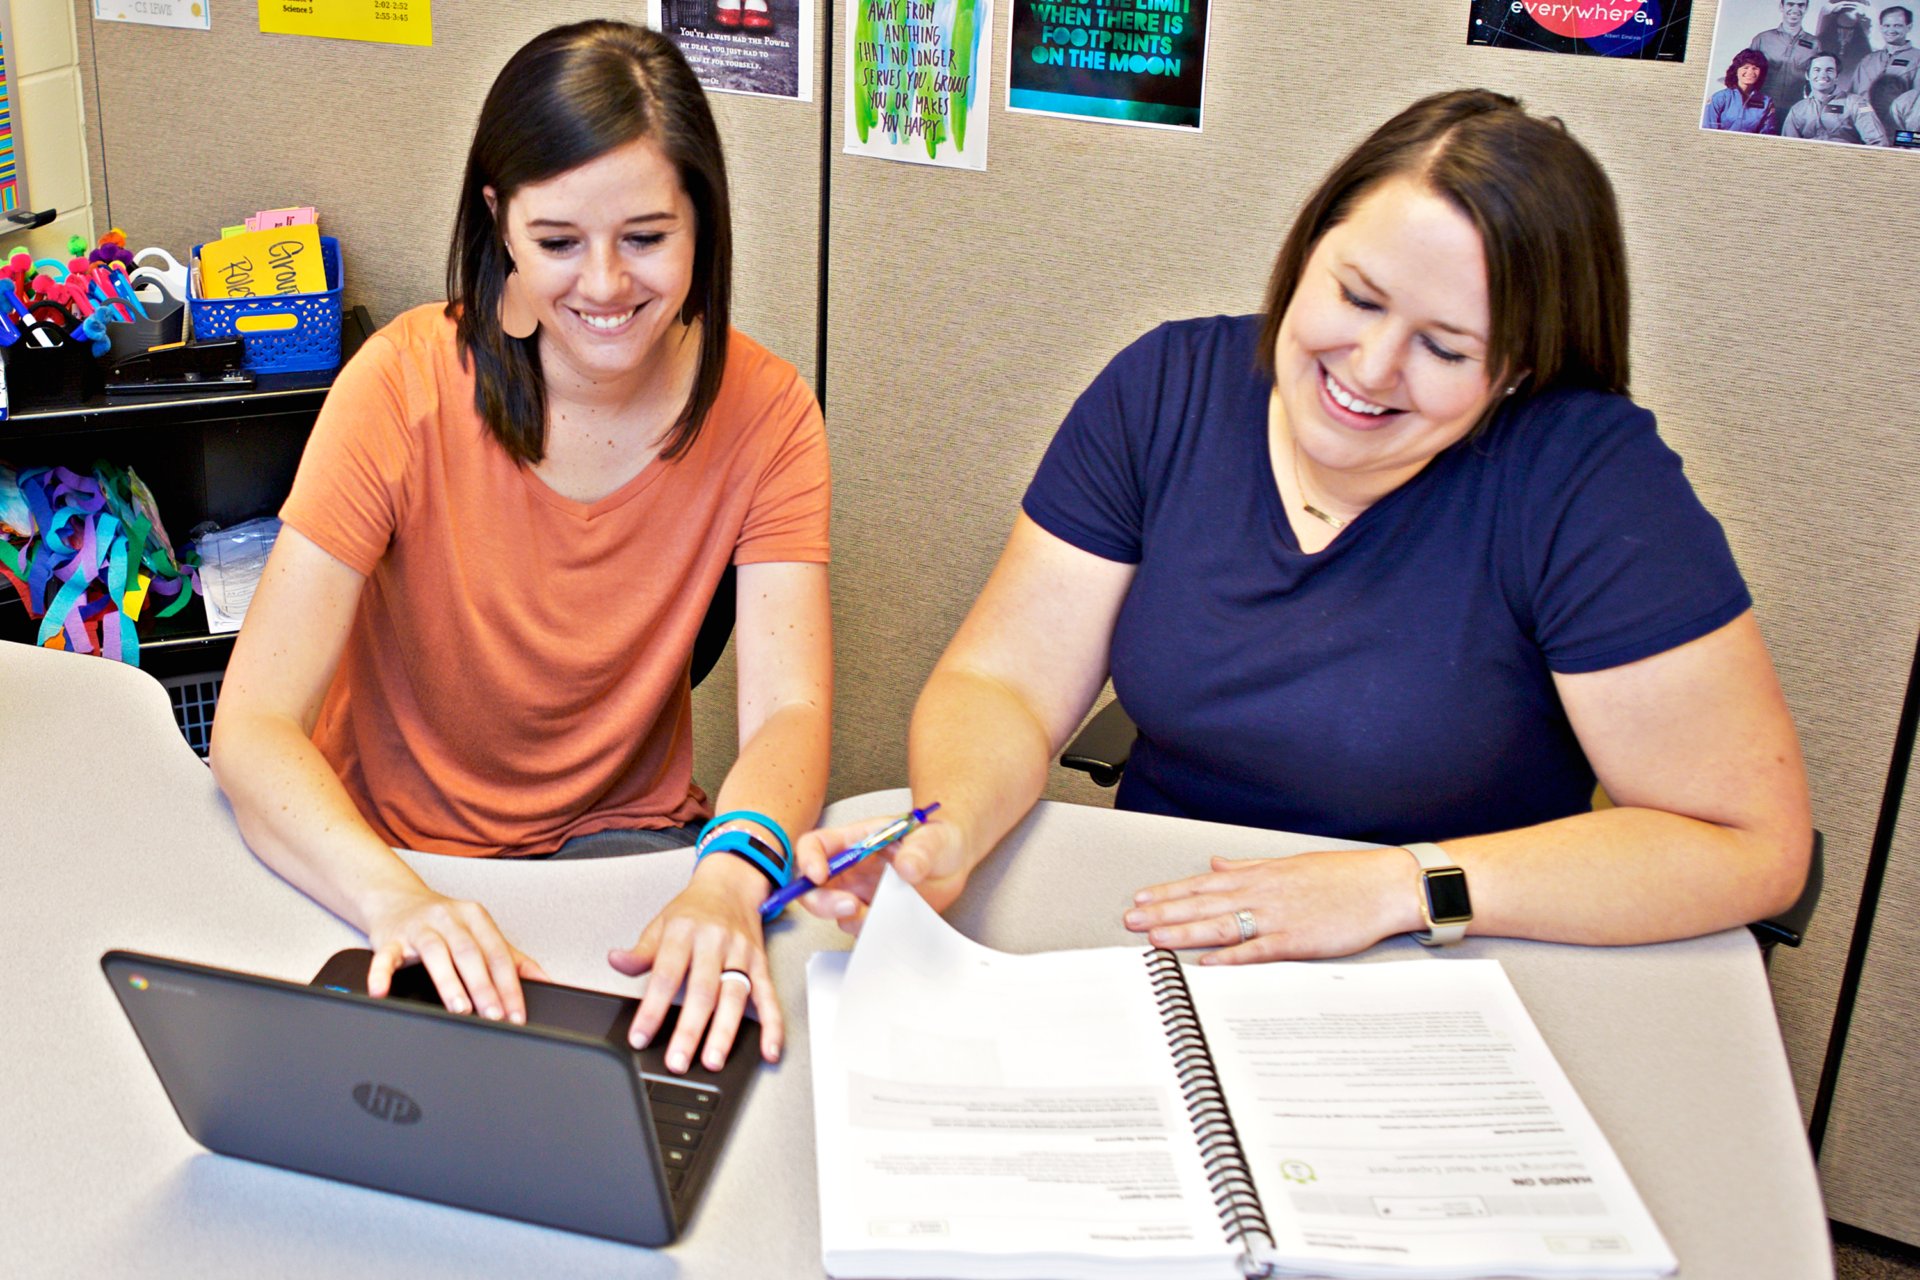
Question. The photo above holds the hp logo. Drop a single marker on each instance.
(384, 1102)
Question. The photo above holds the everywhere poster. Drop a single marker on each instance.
(917, 80)
(1832, 71)
(1644, 30)
(1125, 61)
(760, 47)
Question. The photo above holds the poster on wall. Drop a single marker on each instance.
(1645, 30)
(761, 47)
(1834, 71)
(917, 80)
(376, 21)
(12, 197)
(191, 14)
(1123, 61)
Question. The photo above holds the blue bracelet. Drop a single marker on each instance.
(773, 829)
(757, 852)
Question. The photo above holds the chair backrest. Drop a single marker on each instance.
(715, 629)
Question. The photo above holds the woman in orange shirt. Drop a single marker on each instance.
(473, 634)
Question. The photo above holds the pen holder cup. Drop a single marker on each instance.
(59, 376)
(163, 325)
(284, 333)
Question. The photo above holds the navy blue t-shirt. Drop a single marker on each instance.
(1397, 685)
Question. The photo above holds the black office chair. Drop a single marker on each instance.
(1101, 748)
(715, 629)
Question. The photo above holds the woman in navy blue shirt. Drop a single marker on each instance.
(1395, 561)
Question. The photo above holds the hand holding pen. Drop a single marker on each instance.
(872, 843)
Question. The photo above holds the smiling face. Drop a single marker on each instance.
(1746, 76)
(1894, 26)
(1824, 74)
(605, 253)
(1793, 13)
(1380, 363)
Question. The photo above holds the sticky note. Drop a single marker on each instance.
(260, 264)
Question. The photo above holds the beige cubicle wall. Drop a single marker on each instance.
(1773, 286)
(192, 130)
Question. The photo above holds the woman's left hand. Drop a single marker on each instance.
(711, 928)
(1330, 903)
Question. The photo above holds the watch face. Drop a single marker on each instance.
(1447, 900)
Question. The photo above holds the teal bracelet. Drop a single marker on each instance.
(757, 852)
(773, 829)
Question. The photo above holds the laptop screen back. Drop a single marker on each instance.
(545, 1126)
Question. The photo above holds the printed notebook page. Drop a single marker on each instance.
(1407, 1119)
(980, 1114)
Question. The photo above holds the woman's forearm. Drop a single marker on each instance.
(1630, 875)
(298, 819)
(977, 748)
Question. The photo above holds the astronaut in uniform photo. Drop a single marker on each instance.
(1897, 59)
(1789, 47)
(1904, 118)
(1827, 115)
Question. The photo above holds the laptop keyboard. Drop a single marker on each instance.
(681, 1114)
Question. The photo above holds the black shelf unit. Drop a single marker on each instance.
(224, 456)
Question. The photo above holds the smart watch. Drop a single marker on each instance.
(1444, 903)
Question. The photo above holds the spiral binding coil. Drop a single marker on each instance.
(1221, 1155)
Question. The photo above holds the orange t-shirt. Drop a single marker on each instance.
(517, 671)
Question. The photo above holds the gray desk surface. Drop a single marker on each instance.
(117, 837)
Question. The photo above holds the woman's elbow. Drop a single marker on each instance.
(1788, 865)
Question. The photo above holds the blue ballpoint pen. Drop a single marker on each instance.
(896, 830)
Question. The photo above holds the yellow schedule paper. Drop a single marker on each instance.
(259, 264)
(383, 21)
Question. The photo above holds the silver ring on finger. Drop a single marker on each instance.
(1249, 928)
(738, 976)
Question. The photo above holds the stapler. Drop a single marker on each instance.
(182, 366)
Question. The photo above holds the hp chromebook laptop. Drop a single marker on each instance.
(558, 1122)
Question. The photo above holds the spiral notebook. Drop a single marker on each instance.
(1116, 1113)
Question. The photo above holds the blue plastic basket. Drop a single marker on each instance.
(313, 340)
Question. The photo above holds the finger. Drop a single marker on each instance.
(1258, 951)
(696, 1008)
(929, 851)
(638, 958)
(527, 967)
(766, 1004)
(730, 1003)
(1212, 931)
(386, 958)
(829, 904)
(501, 965)
(433, 953)
(1179, 911)
(813, 849)
(475, 968)
(851, 922)
(1216, 881)
(669, 966)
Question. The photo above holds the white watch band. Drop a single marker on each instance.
(1432, 857)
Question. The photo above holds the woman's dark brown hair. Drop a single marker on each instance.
(1556, 259)
(570, 95)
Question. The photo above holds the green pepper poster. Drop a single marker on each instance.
(1124, 61)
(916, 88)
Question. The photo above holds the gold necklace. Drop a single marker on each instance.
(1325, 516)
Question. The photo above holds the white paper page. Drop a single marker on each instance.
(231, 562)
(974, 1110)
(1408, 1119)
